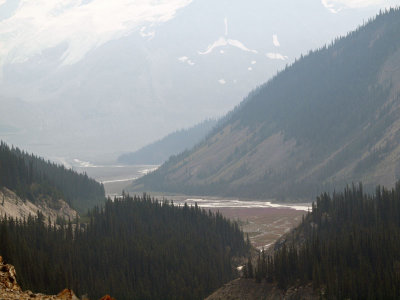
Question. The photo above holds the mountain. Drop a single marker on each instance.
(132, 248)
(44, 183)
(87, 89)
(330, 118)
(346, 247)
(158, 152)
(53, 211)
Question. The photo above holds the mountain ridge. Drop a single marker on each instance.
(12, 206)
(159, 151)
(32, 178)
(320, 123)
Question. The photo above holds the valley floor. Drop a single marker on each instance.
(264, 225)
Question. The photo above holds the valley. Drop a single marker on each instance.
(264, 221)
(163, 157)
(114, 177)
(263, 225)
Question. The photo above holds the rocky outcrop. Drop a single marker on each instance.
(13, 206)
(10, 290)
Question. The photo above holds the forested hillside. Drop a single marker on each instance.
(347, 246)
(32, 177)
(331, 118)
(158, 152)
(134, 248)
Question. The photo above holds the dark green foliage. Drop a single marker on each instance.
(349, 247)
(134, 248)
(248, 269)
(32, 177)
(174, 143)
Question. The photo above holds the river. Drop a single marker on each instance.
(263, 220)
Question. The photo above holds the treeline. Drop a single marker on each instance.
(133, 248)
(347, 246)
(32, 177)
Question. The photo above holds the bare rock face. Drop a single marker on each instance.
(11, 205)
(8, 280)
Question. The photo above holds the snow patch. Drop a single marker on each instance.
(185, 59)
(278, 56)
(149, 34)
(330, 6)
(83, 164)
(335, 6)
(223, 41)
(275, 40)
(241, 46)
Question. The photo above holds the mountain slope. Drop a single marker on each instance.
(13, 206)
(38, 181)
(96, 106)
(174, 143)
(347, 247)
(133, 248)
(330, 118)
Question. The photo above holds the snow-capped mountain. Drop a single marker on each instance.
(81, 76)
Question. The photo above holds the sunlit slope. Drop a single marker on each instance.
(331, 118)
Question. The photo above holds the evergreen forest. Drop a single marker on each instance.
(347, 246)
(133, 248)
(32, 177)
